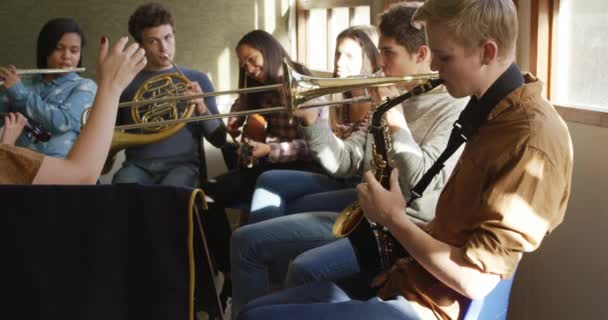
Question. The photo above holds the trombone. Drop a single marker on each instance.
(296, 90)
(45, 71)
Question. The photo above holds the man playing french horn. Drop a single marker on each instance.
(177, 160)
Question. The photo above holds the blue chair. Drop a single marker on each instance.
(494, 306)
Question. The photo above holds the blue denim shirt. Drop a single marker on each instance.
(57, 105)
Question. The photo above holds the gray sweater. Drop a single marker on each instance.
(429, 118)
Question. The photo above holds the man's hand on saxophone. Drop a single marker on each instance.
(382, 206)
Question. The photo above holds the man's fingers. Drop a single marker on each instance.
(21, 119)
(119, 46)
(368, 175)
(362, 187)
(142, 62)
(131, 50)
(369, 178)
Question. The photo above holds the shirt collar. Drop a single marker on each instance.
(477, 110)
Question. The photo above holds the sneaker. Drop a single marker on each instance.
(228, 309)
(218, 280)
(202, 315)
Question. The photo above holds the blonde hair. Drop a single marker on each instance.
(474, 21)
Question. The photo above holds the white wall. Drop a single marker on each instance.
(566, 277)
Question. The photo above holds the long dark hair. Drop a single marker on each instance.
(370, 51)
(274, 54)
(341, 114)
(50, 35)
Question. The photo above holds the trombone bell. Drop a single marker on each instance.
(300, 88)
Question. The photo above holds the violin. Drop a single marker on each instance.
(37, 131)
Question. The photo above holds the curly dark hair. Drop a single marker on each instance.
(149, 15)
(396, 23)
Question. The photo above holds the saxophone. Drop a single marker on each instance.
(376, 248)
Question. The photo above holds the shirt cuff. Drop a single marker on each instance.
(275, 152)
(16, 91)
(490, 256)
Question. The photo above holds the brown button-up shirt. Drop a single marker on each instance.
(18, 165)
(509, 189)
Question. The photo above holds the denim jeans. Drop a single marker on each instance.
(165, 172)
(325, 300)
(280, 192)
(333, 261)
(261, 252)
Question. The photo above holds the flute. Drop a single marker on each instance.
(46, 71)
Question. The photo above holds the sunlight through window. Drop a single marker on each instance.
(581, 71)
(269, 16)
(223, 80)
(518, 210)
(256, 15)
(317, 41)
(337, 23)
(271, 200)
(535, 168)
(361, 15)
(284, 7)
(321, 26)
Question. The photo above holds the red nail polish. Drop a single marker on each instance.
(103, 39)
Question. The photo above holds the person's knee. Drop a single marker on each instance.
(299, 272)
(129, 174)
(266, 179)
(243, 243)
(182, 176)
(253, 313)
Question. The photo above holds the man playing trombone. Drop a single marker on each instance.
(417, 139)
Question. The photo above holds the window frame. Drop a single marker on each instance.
(303, 8)
(544, 15)
(544, 18)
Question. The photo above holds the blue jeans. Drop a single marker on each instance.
(280, 192)
(333, 261)
(261, 252)
(325, 300)
(165, 172)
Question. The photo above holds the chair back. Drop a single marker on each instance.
(494, 306)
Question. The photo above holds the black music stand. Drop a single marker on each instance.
(101, 252)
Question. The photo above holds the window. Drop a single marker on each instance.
(566, 50)
(580, 52)
(319, 23)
